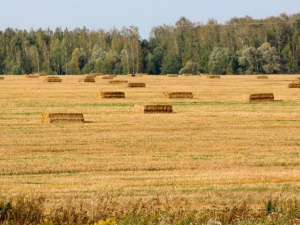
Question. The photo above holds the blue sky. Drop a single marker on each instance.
(106, 14)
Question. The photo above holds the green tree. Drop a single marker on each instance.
(171, 64)
(191, 68)
(221, 61)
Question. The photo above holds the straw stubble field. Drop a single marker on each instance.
(215, 150)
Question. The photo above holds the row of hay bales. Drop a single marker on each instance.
(146, 109)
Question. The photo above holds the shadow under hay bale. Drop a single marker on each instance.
(62, 118)
(111, 94)
(294, 85)
(118, 82)
(178, 95)
(262, 77)
(213, 77)
(52, 79)
(172, 75)
(1, 78)
(135, 85)
(153, 109)
(261, 97)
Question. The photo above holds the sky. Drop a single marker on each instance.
(145, 14)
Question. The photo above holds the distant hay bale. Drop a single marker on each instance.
(172, 75)
(1, 78)
(107, 77)
(95, 74)
(31, 76)
(102, 94)
(262, 77)
(42, 74)
(89, 76)
(62, 118)
(261, 97)
(294, 85)
(52, 79)
(135, 85)
(187, 74)
(130, 75)
(90, 80)
(178, 94)
(118, 82)
(213, 77)
(153, 108)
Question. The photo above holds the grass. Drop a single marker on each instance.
(215, 151)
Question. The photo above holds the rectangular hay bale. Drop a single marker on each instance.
(172, 75)
(1, 78)
(178, 94)
(107, 77)
(261, 97)
(118, 82)
(262, 77)
(31, 76)
(135, 85)
(153, 108)
(111, 94)
(294, 85)
(52, 79)
(62, 118)
(213, 77)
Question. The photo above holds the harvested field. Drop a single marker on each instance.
(213, 77)
(261, 97)
(135, 85)
(111, 94)
(214, 152)
(62, 118)
(153, 108)
(178, 94)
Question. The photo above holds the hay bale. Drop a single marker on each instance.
(261, 97)
(31, 76)
(262, 77)
(89, 76)
(130, 75)
(178, 94)
(213, 77)
(172, 75)
(52, 79)
(135, 85)
(186, 74)
(42, 74)
(107, 77)
(111, 94)
(1, 78)
(62, 118)
(118, 82)
(294, 85)
(153, 108)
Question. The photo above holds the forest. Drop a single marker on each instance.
(239, 46)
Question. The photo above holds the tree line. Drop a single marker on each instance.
(240, 46)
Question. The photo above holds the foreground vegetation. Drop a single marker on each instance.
(241, 46)
(23, 210)
(216, 155)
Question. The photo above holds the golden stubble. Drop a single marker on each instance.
(214, 149)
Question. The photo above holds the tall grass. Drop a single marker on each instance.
(32, 210)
